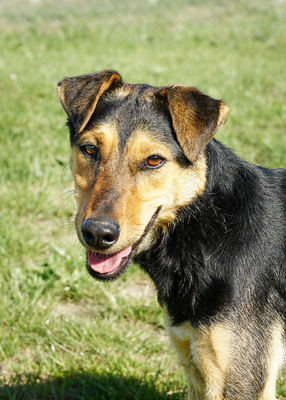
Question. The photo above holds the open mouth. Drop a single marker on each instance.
(107, 267)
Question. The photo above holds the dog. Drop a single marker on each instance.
(153, 186)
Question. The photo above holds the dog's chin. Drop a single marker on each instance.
(108, 267)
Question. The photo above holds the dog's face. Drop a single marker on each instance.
(137, 158)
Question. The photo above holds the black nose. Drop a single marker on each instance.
(99, 234)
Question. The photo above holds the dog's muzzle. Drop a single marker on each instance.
(100, 235)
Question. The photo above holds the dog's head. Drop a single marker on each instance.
(137, 158)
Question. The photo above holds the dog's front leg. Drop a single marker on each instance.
(187, 341)
(204, 354)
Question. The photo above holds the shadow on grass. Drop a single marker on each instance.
(84, 386)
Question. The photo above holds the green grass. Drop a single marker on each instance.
(63, 335)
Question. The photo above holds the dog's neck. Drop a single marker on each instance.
(180, 261)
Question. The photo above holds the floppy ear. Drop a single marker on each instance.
(79, 95)
(196, 117)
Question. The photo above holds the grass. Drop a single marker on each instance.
(62, 335)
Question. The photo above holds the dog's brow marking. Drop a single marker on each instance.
(141, 145)
(105, 135)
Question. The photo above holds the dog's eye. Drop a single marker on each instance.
(154, 161)
(89, 149)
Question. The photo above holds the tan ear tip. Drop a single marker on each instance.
(223, 113)
(60, 85)
(224, 108)
(63, 83)
(117, 76)
(60, 91)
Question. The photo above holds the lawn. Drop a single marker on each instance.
(63, 335)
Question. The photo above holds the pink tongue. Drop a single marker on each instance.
(104, 264)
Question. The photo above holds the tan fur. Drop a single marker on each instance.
(205, 355)
(135, 195)
(224, 111)
(275, 360)
(104, 138)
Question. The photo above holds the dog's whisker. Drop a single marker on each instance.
(62, 174)
(68, 193)
(69, 196)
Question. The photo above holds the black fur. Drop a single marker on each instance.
(231, 238)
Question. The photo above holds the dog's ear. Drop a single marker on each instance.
(79, 95)
(195, 116)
